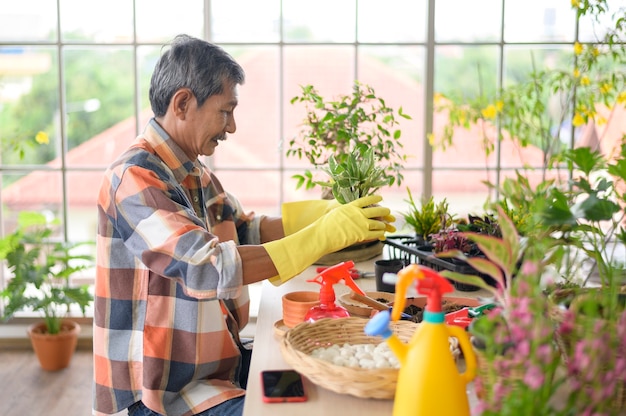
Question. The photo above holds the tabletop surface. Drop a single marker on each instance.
(267, 356)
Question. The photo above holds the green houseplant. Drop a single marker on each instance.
(428, 218)
(337, 127)
(356, 176)
(40, 270)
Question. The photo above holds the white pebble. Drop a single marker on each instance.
(368, 356)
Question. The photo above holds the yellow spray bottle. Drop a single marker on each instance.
(429, 382)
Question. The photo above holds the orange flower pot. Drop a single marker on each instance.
(296, 305)
(54, 351)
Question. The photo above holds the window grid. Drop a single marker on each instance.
(425, 166)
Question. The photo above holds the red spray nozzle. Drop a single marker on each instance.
(429, 283)
(331, 276)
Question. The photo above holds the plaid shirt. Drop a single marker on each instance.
(164, 282)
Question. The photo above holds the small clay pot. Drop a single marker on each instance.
(296, 305)
(54, 351)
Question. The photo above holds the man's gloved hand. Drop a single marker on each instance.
(299, 214)
(343, 226)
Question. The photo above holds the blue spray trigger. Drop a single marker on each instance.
(379, 325)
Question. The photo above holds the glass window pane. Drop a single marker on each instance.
(29, 93)
(260, 22)
(466, 71)
(539, 21)
(290, 193)
(592, 31)
(147, 57)
(39, 190)
(28, 21)
(255, 144)
(100, 91)
(463, 190)
(520, 61)
(396, 73)
(258, 191)
(545, 131)
(329, 69)
(90, 21)
(319, 21)
(395, 197)
(159, 21)
(381, 21)
(467, 21)
(82, 197)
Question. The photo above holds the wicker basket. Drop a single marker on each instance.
(299, 342)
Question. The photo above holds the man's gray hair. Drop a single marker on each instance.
(195, 64)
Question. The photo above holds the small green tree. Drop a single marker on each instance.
(335, 128)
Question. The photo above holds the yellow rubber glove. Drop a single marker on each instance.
(297, 215)
(343, 226)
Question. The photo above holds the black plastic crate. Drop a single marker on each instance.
(410, 249)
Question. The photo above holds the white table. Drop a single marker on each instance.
(267, 356)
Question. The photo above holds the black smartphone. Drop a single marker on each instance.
(282, 386)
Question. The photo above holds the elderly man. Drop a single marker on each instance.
(176, 251)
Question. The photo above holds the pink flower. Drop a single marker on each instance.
(534, 377)
(530, 268)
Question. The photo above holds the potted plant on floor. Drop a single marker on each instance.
(40, 270)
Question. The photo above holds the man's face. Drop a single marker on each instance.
(207, 125)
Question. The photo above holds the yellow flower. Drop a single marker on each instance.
(578, 120)
(585, 80)
(600, 121)
(578, 48)
(499, 105)
(595, 51)
(605, 88)
(437, 97)
(431, 139)
(575, 4)
(621, 98)
(489, 112)
(42, 138)
(576, 73)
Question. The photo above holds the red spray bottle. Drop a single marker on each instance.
(327, 279)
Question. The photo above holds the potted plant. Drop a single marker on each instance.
(337, 127)
(427, 219)
(40, 270)
(355, 176)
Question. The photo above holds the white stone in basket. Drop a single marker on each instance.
(368, 356)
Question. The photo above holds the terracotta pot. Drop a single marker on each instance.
(296, 305)
(54, 351)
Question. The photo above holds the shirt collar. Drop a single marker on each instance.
(171, 154)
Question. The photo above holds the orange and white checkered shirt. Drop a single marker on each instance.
(162, 281)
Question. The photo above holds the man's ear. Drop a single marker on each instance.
(181, 102)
